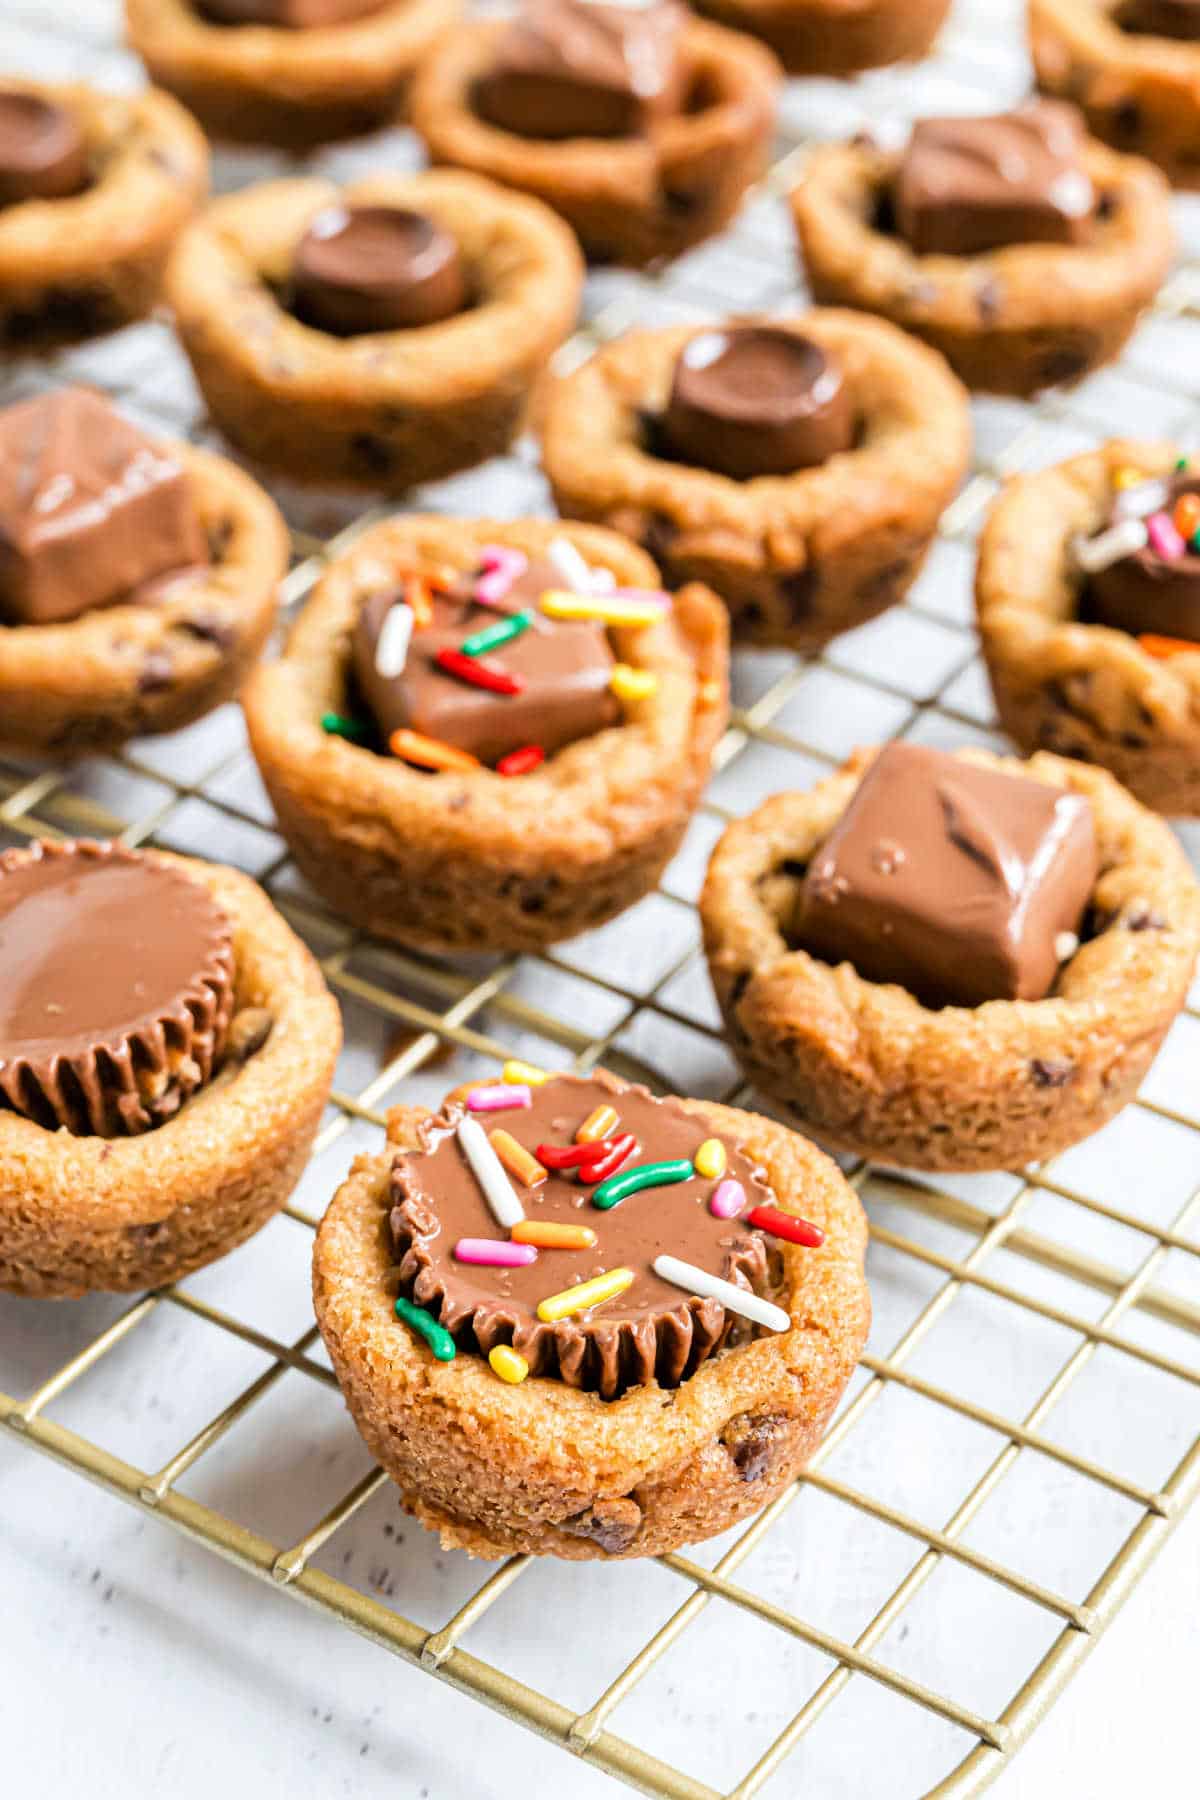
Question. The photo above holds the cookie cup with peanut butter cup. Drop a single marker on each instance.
(463, 857)
(832, 37)
(938, 1080)
(710, 1414)
(166, 1049)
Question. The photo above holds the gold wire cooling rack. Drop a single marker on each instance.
(481, 1014)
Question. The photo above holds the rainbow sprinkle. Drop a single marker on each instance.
(710, 1159)
(727, 1199)
(628, 683)
(435, 1335)
(491, 637)
(545, 1235)
(519, 1074)
(516, 1159)
(610, 1193)
(498, 1097)
(508, 1364)
(338, 725)
(584, 1295)
(494, 1253)
(599, 1124)
(711, 1287)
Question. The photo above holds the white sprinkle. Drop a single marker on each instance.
(1096, 553)
(1139, 501)
(489, 1173)
(578, 574)
(711, 1287)
(391, 646)
(1065, 945)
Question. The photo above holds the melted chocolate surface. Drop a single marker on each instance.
(1147, 592)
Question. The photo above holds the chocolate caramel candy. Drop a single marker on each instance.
(116, 987)
(1148, 592)
(952, 881)
(376, 268)
(966, 186)
(585, 69)
(43, 153)
(90, 509)
(753, 400)
(1161, 18)
(295, 15)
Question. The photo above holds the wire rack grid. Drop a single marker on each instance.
(1062, 1258)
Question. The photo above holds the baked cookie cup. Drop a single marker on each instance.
(380, 409)
(637, 199)
(472, 860)
(295, 88)
(875, 1073)
(84, 262)
(1060, 683)
(1008, 321)
(798, 557)
(81, 1212)
(836, 37)
(549, 1469)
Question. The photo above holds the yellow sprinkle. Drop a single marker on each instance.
(632, 684)
(710, 1159)
(507, 1364)
(558, 604)
(517, 1159)
(598, 1125)
(1127, 478)
(523, 1074)
(585, 1294)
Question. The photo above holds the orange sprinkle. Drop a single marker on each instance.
(517, 1160)
(430, 753)
(597, 1125)
(1187, 516)
(547, 1236)
(1163, 648)
(418, 591)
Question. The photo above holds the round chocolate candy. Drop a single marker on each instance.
(756, 400)
(376, 268)
(43, 154)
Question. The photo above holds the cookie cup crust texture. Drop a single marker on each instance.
(79, 1214)
(547, 1469)
(478, 861)
(632, 200)
(85, 264)
(1137, 92)
(836, 37)
(1061, 684)
(1010, 322)
(796, 558)
(383, 409)
(874, 1073)
(271, 84)
(116, 672)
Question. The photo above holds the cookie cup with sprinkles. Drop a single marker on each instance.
(461, 858)
(874, 1072)
(1063, 683)
(500, 1463)
(133, 1163)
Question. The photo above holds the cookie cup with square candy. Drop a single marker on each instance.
(478, 861)
(836, 37)
(551, 1470)
(799, 557)
(637, 199)
(874, 1072)
(93, 259)
(1013, 320)
(119, 1213)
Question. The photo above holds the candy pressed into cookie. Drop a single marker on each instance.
(380, 335)
(951, 962)
(166, 1050)
(797, 466)
(641, 125)
(94, 190)
(489, 736)
(836, 37)
(574, 1320)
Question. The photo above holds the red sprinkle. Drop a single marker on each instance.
(480, 672)
(521, 762)
(786, 1225)
(617, 1152)
(570, 1156)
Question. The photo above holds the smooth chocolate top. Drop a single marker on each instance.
(651, 1331)
(90, 509)
(1147, 592)
(585, 69)
(116, 981)
(43, 152)
(952, 880)
(751, 400)
(566, 666)
(965, 186)
(376, 268)
(1161, 18)
(296, 15)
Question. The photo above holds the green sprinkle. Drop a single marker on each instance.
(339, 726)
(492, 636)
(661, 1174)
(435, 1335)
(1181, 465)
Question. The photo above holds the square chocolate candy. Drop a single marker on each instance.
(952, 880)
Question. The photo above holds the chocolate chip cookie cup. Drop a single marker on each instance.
(282, 71)
(166, 1050)
(495, 1425)
(94, 190)
(798, 467)
(938, 1081)
(491, 802)
(139, 584)
(344, 397)
(1014, 315)
(1072, 668)
(634, 196)
(828, 37)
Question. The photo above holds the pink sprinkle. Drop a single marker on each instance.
(1164, 538)
(644, 597)
(498, 1098)
(495, 1253)
(728, 1199)
(502, 569)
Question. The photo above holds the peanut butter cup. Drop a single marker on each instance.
(43, 151)
(1145, 573)
(376, 268)
(828, 37)
(295, 15)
